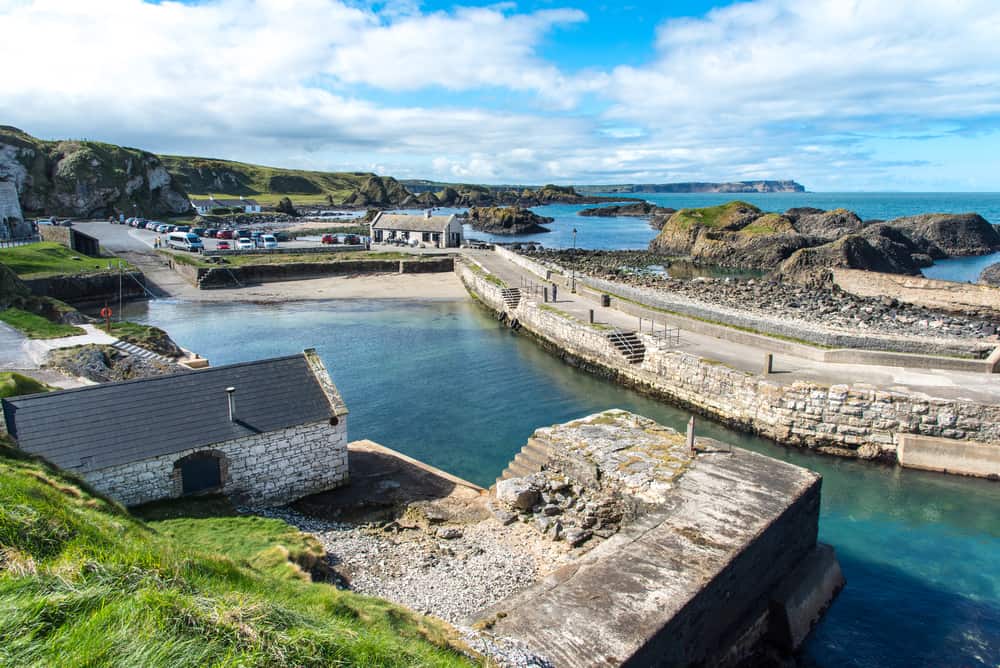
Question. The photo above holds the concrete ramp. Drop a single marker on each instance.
(947, 455)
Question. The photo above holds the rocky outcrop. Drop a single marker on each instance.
(991, 275)
(682, 229)
(639, 209)
(955, 234)
(87, 179)
(104, 364)
(506, 220)
(879, 248)
(12, 289)
(380, 191)
(485, 196)
(826, 225)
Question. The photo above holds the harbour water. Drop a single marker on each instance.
(443, 382)
(630, 233)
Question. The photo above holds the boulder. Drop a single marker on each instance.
(825, 225)
(519, 493)
(955, 234)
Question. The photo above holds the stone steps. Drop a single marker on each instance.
(529, 460)
(138, 351)
(511, 297)
(629, 345)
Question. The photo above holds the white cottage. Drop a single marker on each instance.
(204, 206)
(427, 229)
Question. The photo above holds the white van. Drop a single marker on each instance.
(267, 241)
(188, 241)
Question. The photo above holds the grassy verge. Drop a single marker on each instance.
(14, 385)
(83, 582)
(37, 327)
(48, 258)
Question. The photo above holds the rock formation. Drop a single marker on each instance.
(506, 220)
(991, 275)
(380, 191)
(87, 179)
(827, 225)
(639, 209)
(955, 234)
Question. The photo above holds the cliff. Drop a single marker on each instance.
(86, 178)
(226, 177)
(430, 193)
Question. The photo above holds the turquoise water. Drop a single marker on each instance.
(628, 233)
(443, 382)
(961, 269)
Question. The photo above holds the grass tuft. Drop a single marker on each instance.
(36, 327)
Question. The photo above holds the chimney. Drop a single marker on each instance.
(231, 395)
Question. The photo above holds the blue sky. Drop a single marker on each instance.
(837, 94)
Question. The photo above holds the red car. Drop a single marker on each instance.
(223, 245)
(224, 234)
(329, 239)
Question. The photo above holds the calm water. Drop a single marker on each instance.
(627, 233)
(443, 382)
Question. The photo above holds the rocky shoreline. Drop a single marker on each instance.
(826, 307)
(506, 220)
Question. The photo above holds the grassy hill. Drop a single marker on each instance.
(84, 582)
(204, 176)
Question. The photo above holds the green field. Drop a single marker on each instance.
(85, 583)
(35, 326)
(47, 258)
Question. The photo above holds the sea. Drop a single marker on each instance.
(569, 229)
(444, 382)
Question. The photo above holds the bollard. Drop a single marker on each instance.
(591, 316)
(545, 295)
(555, 292)
(690, 434)
(768, 363)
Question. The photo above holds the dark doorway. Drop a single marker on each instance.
(200, 472)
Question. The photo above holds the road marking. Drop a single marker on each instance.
(134, 235)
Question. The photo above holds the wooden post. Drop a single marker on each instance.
(768, 363)
(545, 295)
(591, 316)
(690, 434)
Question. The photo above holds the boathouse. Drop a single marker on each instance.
(426, 229)
(269, 431)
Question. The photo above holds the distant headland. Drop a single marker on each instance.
(698, 187)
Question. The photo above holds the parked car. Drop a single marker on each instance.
(223, 245)
(282, 236)
(352, 239)
(200, 231)
(244, 244)
(329, 239)
(267, 241)
(182, 228)
(243, 234)
(151, 226)
(210, 233)
(225, 234)
(185, 241)
(161, 228)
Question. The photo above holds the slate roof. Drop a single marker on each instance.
(90, 428)
(402, 221)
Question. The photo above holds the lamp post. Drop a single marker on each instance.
(573, 280)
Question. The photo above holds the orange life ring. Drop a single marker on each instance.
(105, 312)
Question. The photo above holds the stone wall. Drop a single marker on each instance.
(218, 277)
(946, 295)
(89, 288)
(271, 468)
(853, 420)
(536, 268)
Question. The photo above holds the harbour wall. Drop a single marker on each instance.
(225, 276)
(855, 420)
(85, 289)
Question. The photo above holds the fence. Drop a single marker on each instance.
(660, 331)
(23, 241)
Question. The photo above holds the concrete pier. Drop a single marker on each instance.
(717, 563)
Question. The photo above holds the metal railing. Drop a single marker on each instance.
(23, 241)
(660, 331)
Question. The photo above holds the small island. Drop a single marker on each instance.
(506, 220)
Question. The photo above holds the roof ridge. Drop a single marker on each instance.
(133, 381)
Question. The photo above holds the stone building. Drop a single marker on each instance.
(12, 223)
(430, 230)
(204, 206)
(269, 431)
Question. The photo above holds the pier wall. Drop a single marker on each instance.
(89, 288)
(226, 276)
(854, 420)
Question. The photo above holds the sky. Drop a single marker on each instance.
(840, 95)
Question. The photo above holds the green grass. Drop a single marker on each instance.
(720, 216)
(37, 327)
(486, 276)
(84, 583)
(47, 258)
(14, 385)
(770, 223)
